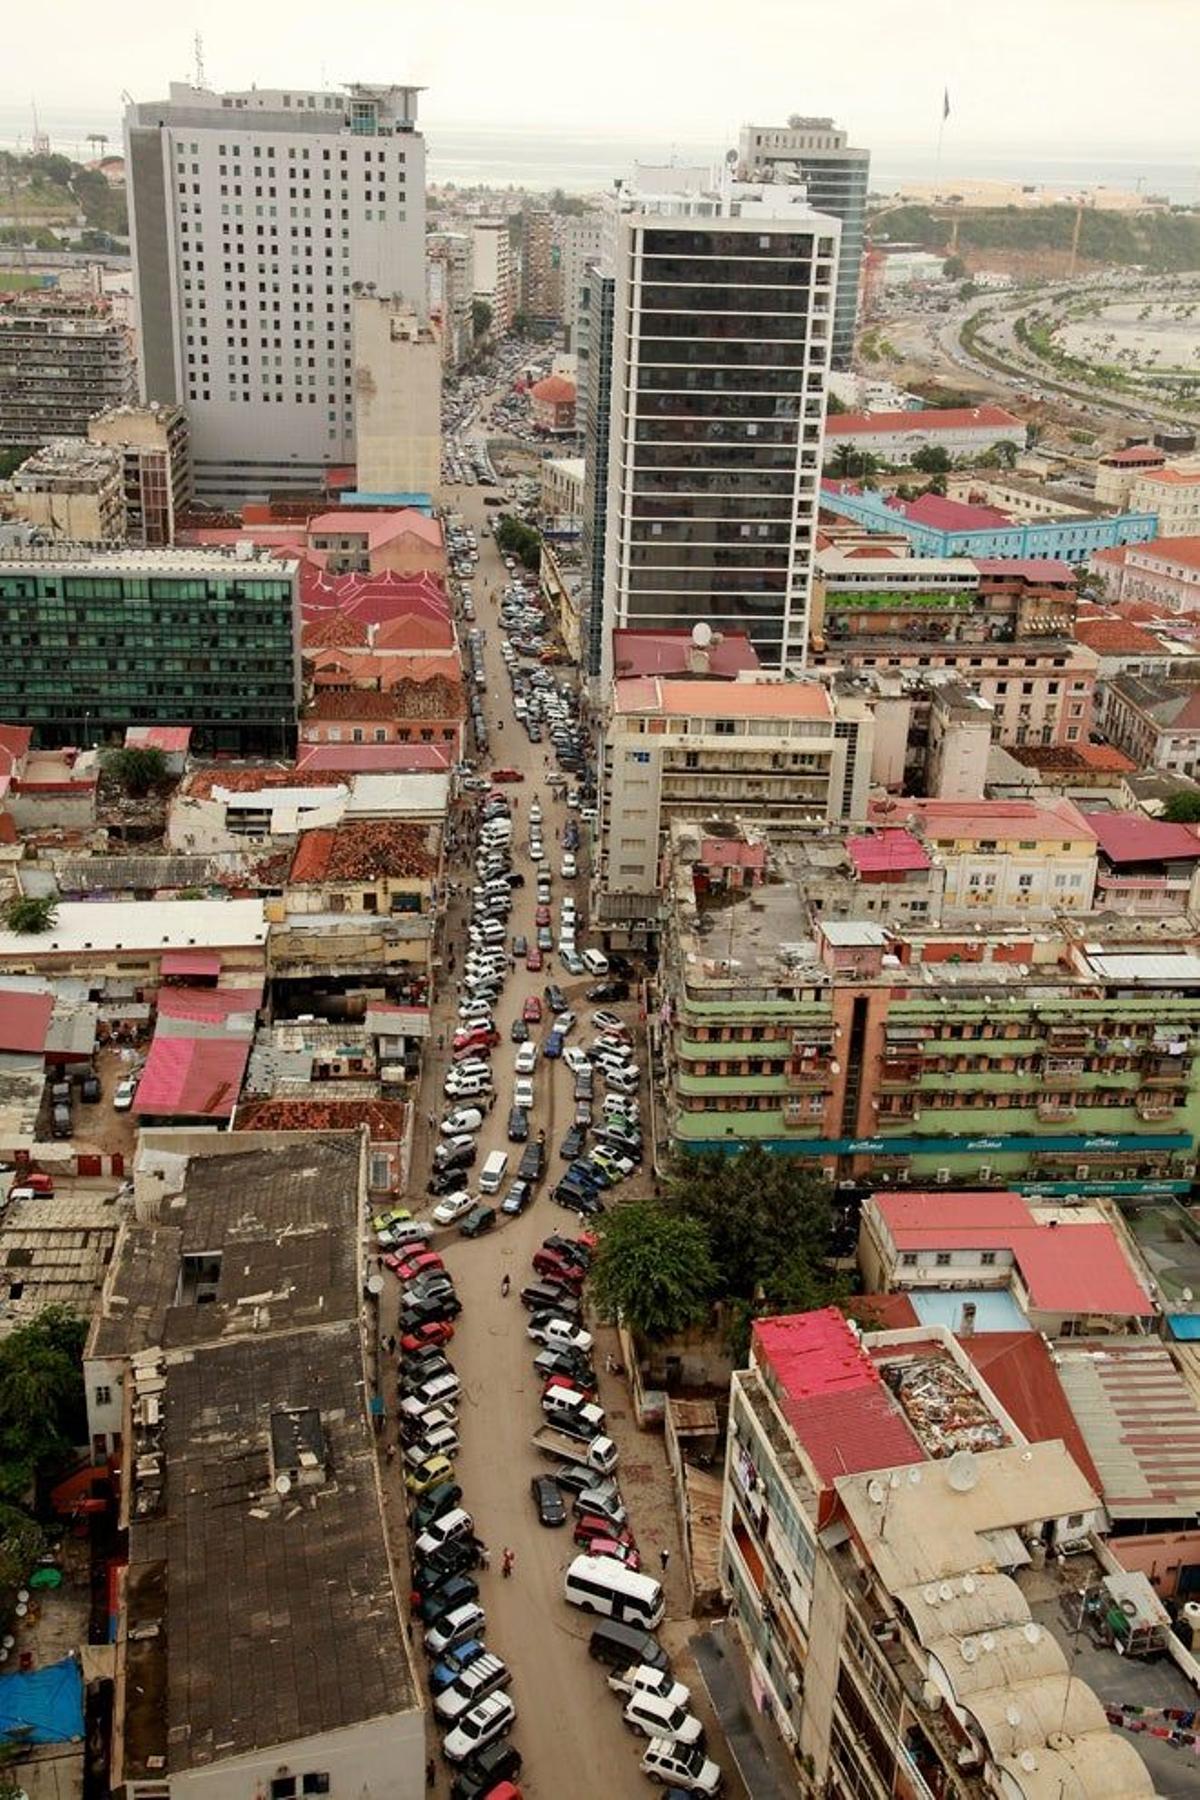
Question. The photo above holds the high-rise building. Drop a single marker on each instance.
(494, 271)
(451, 291)
(722, 311)
(62, 358)
(594, 415)
(253, 215)
(156, 446)
(580, 241)
(835, 175)
(72, 489)
(397, 400)
(541, 265)
(93, 641)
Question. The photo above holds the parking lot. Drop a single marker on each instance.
(569, 1725)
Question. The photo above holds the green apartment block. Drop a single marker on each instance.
(95, 640)
(1052, 1060)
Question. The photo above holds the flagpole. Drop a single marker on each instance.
(942, 132)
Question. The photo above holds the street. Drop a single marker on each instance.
(569, 1727)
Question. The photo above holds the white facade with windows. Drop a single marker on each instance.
(255, 217)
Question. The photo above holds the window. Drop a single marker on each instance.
(909, 1259)
(103, 1394)
(942, 1259)
(316, 1784)
(988, 1258)
(283, 1787)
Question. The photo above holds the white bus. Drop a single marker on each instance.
(601, 1584)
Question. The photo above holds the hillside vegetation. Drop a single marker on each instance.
(54, 186)
(1164, 242)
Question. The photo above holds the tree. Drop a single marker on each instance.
(653, 1269)
(853, 463)
(1182, 809)
(833, 405)
(481, 318)
(43, 1414)
(766, 1218)
(955, 269)
(137, 771)
(11, 460)
(29, 914)
(520, 540)
(931, 459)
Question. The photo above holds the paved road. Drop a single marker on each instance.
(569, 1726)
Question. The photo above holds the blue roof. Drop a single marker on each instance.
(419, 502)
(1185, 1327)
(995, 1309)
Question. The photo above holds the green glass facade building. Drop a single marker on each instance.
(92, 641)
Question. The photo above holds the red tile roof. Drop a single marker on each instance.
(951, 515)
(364, 850)
(1038, 819)
(1133, 838)
(24, 1021)
(208, 1004)
(1184, 550)
(1116, 637)
(890, 851)
(1030, 568)
(373, 759)
(168, 738)
(669, 652)
(377, 527)
(384, 1119)
(926, 422)
(1135, 456)
(555, 390)
(190, 962)
(832, 1395)
(192, 1078)
(732, 853)
(684, 695)
(1073, 1268)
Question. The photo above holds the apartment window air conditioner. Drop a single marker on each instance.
(829, 1175)
(1189, 1169)
(985, 1171)
(1081, 1170)
(943, 1176)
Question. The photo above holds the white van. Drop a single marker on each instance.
(595, 962)
(658, 1717)
(493, 1172)
(566, 1406)
(601, 1584)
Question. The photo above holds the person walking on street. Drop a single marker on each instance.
(507, 1562)
(664, 1557)
(505, 1284)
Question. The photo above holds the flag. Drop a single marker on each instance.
(945, 104)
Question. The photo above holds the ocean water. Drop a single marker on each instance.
(587, 161)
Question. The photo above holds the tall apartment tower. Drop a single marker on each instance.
(63, 357)
(495, 272)
(541, 265)
(580, 248)
(722, 310)
(816, 152)
(450, 270)
(255, 217)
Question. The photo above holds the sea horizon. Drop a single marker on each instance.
(581, 161)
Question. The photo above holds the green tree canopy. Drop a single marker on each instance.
(1182, 809)
(520, 540)
(852, 463)
(42, 1406)
(932, 459)
(30, 913)
(138, 770)
(653, 1269)
(481, 318)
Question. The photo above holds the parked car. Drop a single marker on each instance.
(492, 1718)
(551, 1509)
(477, 1221)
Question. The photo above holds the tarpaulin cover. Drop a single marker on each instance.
(43, 1707)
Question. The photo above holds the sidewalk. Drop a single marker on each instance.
(762, 1761)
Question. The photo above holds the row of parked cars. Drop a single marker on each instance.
(582, 1494)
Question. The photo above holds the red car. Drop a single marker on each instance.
(569, 1381)
(507, 775)
(533, 959)
(548, 1262)
(542, 916)
(435, 1333)
(591, 1526)
(407, 1267)
(617, 1548)
(531, 1012)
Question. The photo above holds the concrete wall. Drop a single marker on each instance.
(384, 1758)
(1162, 1558)
(397, 399)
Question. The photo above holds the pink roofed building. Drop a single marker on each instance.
(724, 654)
(896, 437)
(1067, 1268)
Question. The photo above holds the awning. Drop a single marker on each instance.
(191, 962)
(1009, 1549)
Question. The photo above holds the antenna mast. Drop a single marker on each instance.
(198, 47)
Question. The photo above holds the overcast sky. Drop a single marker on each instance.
(1022, 74)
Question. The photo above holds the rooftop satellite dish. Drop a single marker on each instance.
(968, 1584)
(895, 1480)
(1028, 1761)
(283, 1485)
(988, 1641)
(1033, 1633)
(962, 1472)
(914, 1477)
(946, 1592)
(1013, 1714)
(1187, 1294)
(875, 1491)
(969, 1650)
(930, 1595)
(375, 1284)
(702, 634)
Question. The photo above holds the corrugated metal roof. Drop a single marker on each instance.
(1141, 1423)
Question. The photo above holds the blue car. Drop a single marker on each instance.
(448, 1668)
(554, 1045)
(590, 1175)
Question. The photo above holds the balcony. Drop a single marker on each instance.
(1154, 1106)
(1052, 1109)
(1062, 1065)
(1068, 1037)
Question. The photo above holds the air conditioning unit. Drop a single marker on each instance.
(943, 1176)
(830, 1175)
(985, 1171)
(1189, 1169)
(1081, 1171)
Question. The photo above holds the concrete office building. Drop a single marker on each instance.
(62, 358)
(541, 266)
(155, 446)
(494, 272)
(93, 641)
(73, 489)
(722, 312)
(580, 242)
(397, 401)
(593, 416)
(836, 176)
(252, 216)
(451, 291)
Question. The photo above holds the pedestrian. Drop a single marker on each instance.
(390, 1453)
(507, 1563)
(664, 1557)
(430, 1773)
(433, 1121)
(505, 1284)
(610, 1364)
(485, 1555)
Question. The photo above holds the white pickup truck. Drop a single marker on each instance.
(599, 1454)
